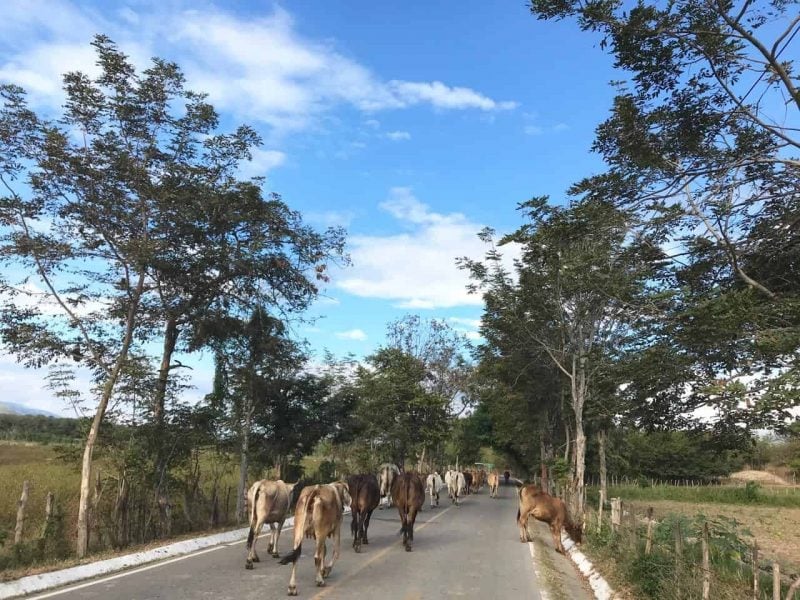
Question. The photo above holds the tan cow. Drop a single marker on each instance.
(533, 502)
(268, 502)
(493, 480)
(319, 515)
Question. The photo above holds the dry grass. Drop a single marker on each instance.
(762, 477)
(774, 528)
(40, 466)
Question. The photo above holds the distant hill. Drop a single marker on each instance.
(12, 408)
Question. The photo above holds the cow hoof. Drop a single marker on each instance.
(293, 591)
(357, 549)
(256, 559)
(248, 565)
(408, 548)
(275, 555)
(326, 573)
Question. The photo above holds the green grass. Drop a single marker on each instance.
(716, 494)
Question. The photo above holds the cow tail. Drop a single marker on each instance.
(300, 516)
(253, 520)
(519, 502)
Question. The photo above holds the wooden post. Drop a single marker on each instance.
(616, 513)
(649, 543)
(23, 500)
(706, 565)
(48, 511)
(776, 581)
(755, 570)
(792, 589)
(600, 511)
(678, 546)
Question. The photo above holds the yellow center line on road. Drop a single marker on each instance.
(378, 556)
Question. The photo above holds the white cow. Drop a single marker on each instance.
(455, 485)
(386, 475)
(434, 484)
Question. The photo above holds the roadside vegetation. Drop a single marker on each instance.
(648, 328)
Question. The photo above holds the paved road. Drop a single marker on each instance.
(471, 551)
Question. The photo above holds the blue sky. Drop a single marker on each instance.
(412, 124)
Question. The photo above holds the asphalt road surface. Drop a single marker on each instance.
(470, 551)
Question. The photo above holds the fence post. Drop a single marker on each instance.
(600, 512)
(792, 589)
(776, 581)
(755, 570)
(706, 565)
(678, 546)
(649, 544)
(616, 513)
(48, 512)
(23, 500)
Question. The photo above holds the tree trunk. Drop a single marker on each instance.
(82, 544)
(161, 492)
(543, 462)
(242, 489)
(578, 401)
(601, 443)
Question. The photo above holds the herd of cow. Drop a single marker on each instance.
(319, 509)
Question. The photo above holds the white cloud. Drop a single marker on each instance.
(473, 323)
(373, 123)
(262, 162)
(258, 68)
(352, 334)
(397, 136)
(416, 269)
(533, 130)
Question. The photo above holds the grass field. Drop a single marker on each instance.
(39, 465)
(786, 496)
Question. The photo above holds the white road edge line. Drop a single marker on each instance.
(539, 575)
(601, 588)
(183, 550)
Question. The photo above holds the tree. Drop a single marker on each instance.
(397, 412)
(128, 213)
(578, 287)
(702, 146)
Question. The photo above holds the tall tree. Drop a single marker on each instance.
(577, 283)
(125, 217)
(702, 144)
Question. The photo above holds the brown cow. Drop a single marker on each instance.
(408, 494)
(319, 515)
(268, 502)
(494, 483)
(544, 507)
(365, 495)
(468, 482)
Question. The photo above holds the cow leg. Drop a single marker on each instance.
(293, 580)
(337, 539)
(358, 529)
(555, 530)
(252, 556)
(319, 559)
(523, 526)
(278, 529)
(366, 527)
(410, 528)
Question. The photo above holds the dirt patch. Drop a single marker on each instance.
(760, 477)
(774, 528)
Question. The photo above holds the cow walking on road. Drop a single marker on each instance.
(408, 494)
(365, 496)
(455, 485)
(319, 515)
(493, 480)
(434, 484)
(268, 502)
(386, 476)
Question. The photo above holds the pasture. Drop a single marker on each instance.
(738, 516)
